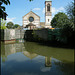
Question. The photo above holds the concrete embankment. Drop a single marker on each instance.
(11, 35)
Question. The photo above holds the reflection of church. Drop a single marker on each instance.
(9, 49)
(48, 61)
(32, 20)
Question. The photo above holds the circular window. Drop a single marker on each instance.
(31, 19)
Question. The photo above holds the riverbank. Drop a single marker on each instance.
(50, 37)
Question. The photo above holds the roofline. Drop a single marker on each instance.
(48, 1)
(32, 12)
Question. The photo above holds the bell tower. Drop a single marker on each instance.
(48, 13)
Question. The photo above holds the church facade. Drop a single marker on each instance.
(31, 20)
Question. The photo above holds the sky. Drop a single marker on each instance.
(18, 8)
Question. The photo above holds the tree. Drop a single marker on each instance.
(70, 10)
(10, 25)
(62, 21)
(2, 8)
(6, 2)
(16, 25)
(3, 23)
(59, 20)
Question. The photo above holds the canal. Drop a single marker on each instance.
(30, 58)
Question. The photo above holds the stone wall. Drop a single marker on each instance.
(43, 33)
(11, 34)
(36, 34)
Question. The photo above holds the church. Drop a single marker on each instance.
(32, 21)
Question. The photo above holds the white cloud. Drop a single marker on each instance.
(37, 9)
(10, 19)
(43, 11)
(18, 22)
(45, 69)
(61, 9)
(54, 10)
(13, 20)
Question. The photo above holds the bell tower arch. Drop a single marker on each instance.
(48, 13)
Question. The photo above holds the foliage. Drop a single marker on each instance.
(30, 0)
(70, 10)
(10, 25)
(6, 2)
(3, 23)
(16, 25)
(2, 8)
(66, 22)
(67, 30)
(71, 13)
(59, 20)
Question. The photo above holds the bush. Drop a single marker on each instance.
(3, 23)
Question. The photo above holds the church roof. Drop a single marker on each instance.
(30, 24)
(29, 55)
(33, 13)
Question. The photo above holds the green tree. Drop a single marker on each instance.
(62, 21)
(16, 25)
(3, 23)
(10, 25)
(59, 20)
(2, 8)
(70, 10)
(6, 2)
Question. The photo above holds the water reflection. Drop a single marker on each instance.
(66, 68)
(48, 61)
(30, 58)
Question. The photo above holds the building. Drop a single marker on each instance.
(31, 18)
(32, 21)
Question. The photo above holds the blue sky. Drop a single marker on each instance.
(18, 8)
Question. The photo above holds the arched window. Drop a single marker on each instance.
(48, 7)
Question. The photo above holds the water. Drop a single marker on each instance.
(29, 58)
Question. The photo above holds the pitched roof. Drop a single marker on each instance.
(30, 24)
(33, 13)
(29, 55)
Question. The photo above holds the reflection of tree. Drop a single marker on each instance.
(58, 53)
(4, 58)
(66, 68)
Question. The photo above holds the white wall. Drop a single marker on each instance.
(48, 22)
(26, 19)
